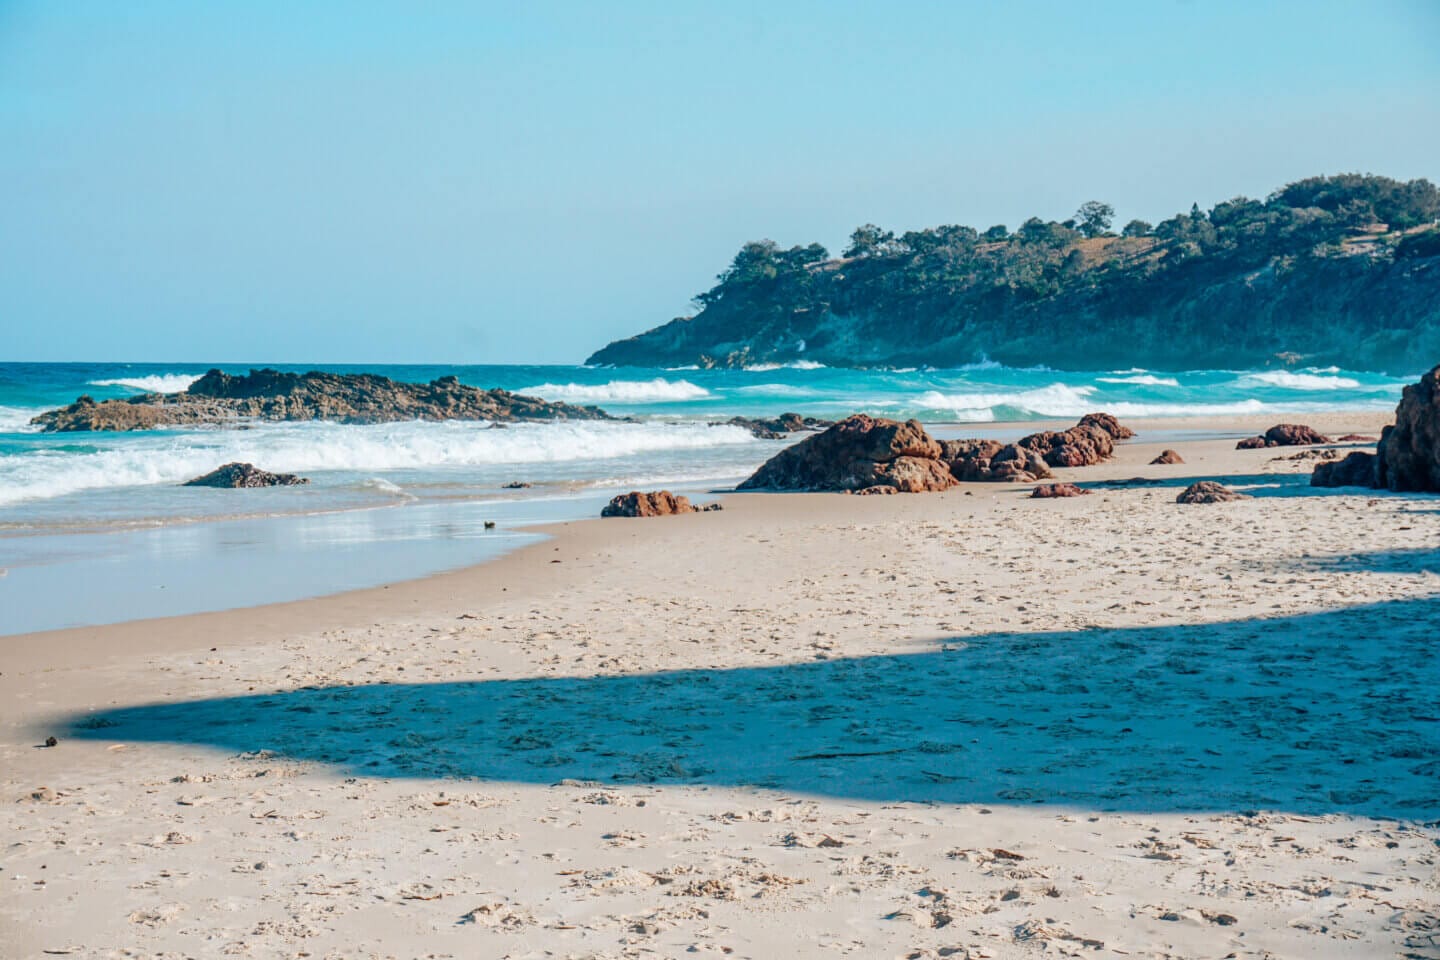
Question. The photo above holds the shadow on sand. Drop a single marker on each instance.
(1321, 713)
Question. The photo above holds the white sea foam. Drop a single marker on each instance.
(306, 447)
(157, 383)
(17, 419)
(1300, 381)
(658, 390)
(1143, 379)
(1056, 400)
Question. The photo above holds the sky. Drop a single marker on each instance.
(525, 181)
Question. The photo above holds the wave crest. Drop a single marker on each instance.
(156, 383)
(658, 390)
(1142, 379)
(1300, 381)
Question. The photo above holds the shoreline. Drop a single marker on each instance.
(442, 586)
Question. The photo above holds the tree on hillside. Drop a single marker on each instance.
(1094, 218)
(869, 240)
(997, 233)
(1136, 228)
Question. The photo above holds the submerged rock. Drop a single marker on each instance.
(219, 399)
(243, 475)
(660, 503)
(1208, 491)
(775, 428)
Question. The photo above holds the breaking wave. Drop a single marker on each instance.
(1300, 381)
(305, 447)
(157, 383)
(658, 390)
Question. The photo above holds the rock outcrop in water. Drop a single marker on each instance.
(235, 476)
(776, 428)
(221, 399)
(866, 454)
(661, 503)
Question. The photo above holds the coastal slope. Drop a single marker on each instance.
(1330, 270)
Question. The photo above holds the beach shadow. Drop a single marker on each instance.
(1321, 713)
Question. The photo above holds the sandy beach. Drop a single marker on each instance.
(964, 724)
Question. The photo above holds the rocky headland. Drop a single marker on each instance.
(1408, 455)
(220, 399)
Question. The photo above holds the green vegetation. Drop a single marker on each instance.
(1336, 269)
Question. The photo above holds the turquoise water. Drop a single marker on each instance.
(102, 513)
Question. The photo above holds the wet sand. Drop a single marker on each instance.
(966, 724)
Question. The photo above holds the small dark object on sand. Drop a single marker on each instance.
(489, 524)
(51, 741)
(1208, 491)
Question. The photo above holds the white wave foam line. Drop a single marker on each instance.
(1056, 400)
(17, 419)
(793, 365)
(158, 383)
(1143, 379)
(658, 390)
(1300, 381)
(300, 448)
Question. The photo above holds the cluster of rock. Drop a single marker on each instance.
(236, 476)
(1283, 435)
(775, 428)
(864, 454)
(1046, 491)
(1408, 455)
(661, 503)
(219, 398)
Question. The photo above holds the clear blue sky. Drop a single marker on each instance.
(524, 181)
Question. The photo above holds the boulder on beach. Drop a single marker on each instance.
(1108, 423)
(1050, 490)
(858, 452)
(992, 461)
(659, 503)
(1167, 456)
(1208, 491)
(244, 475)
(1283, 435)
(1409, 450)
(1359, 469)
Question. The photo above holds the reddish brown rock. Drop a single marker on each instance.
(1048, 490)
(858, 452)
(992, 461)
(1167, 456)
(1284, 435)
(660, 503)
(1359, 469)
(236, 476)
(1252, 443)
(1355, 438)
(1080, 446)
(1109, 424)
(1208, 491)
(1409, 451)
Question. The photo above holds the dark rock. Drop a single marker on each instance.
(1109, 424)
(858, 452)
(1167, 456)
(219, 398)
(1208, 491)
(1355, 438)
(776, 428)
(1409, 451)
(1083, 445)
(661, 503)
(51, 742)
(517, 485)
(238, 475)
(1293, 435)
(1047, 490)
(1252, 443)
(876, 491)
(1359, 469)
(991, 461)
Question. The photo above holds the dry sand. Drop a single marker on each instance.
(959, 725)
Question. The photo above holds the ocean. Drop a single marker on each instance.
(95, 528)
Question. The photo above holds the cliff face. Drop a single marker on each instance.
(1349, 310)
